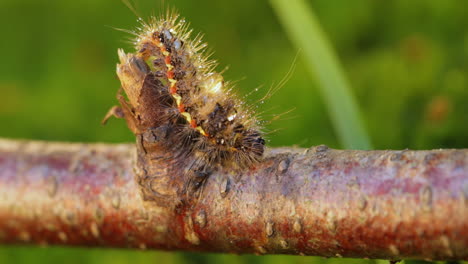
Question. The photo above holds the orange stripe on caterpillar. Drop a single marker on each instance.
(170, 74)
(193, 123)
(182, 108)
(173, 89)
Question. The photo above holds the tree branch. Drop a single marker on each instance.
(317, 201)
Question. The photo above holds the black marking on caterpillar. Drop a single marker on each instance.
(207, 124)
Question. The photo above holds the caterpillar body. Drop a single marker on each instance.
(204, 120)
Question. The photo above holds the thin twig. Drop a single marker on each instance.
(317, 201)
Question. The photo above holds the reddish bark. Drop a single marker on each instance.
(318, 201)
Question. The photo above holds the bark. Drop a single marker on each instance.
(317, 201)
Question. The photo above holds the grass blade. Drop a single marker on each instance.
(303, 29)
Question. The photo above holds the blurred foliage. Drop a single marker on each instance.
(406, 62)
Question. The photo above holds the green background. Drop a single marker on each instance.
(406, 62)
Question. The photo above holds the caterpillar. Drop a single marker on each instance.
(204, 120)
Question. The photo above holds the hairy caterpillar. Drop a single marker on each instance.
(204, 121)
